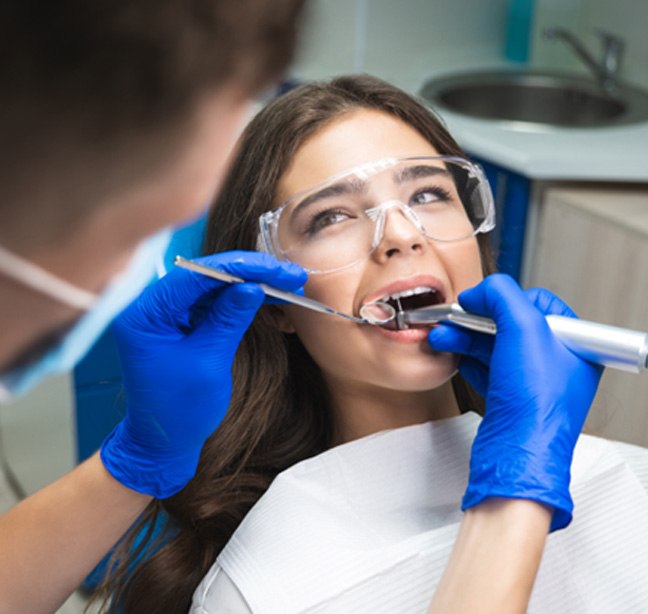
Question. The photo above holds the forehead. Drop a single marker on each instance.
(355, 138)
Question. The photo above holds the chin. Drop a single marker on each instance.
(426, 375)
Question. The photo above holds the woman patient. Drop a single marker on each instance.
(364, 188)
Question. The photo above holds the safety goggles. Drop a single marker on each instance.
(341, 221)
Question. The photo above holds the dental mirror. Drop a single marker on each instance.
(378, 313)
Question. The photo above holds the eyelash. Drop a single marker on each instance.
(311, 229)
(440, 193)
(313, 222)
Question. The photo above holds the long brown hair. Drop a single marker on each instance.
(279, 413)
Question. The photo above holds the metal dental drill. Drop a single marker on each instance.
(610, 346)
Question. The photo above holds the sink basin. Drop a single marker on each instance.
(537, 98)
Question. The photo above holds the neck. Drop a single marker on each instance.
(361, 412)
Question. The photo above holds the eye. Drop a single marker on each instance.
(326, 218)
(429, 195)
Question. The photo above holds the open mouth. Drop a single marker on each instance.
(414, 298)
(405, 300)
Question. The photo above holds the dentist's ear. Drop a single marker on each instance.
(281, 319)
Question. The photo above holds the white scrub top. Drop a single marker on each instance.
(368, 527)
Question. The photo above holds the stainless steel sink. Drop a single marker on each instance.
(537, 98)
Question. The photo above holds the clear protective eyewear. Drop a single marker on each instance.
(341, 221)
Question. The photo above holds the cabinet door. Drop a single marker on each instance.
(598, 265)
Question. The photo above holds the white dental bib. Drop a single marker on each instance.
(368, 527)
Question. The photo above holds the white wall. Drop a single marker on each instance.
(401, 41)
(627, 19)
(624, 18)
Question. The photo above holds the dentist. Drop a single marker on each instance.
(116, 122)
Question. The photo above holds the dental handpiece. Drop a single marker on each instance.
(610, 346)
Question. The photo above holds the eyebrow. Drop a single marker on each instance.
(342, 187)
(358, 186)
(422, 170)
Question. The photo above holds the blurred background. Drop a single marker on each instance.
(569, 168)
(405, 42)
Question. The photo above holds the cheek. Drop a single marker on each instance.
(337, 290)
(320, 333)
(207, 163)
(462, 262)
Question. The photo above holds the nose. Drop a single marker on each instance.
(401, 232)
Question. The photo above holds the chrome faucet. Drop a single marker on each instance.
(607, 70)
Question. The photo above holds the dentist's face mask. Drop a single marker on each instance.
(101, 309)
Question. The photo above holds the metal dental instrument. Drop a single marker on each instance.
(289, 297)
(610, 346)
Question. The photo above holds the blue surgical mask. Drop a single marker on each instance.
(146, 264)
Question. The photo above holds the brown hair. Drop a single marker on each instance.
(279, 413)
(95, 95)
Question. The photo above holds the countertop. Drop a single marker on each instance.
(610, 154)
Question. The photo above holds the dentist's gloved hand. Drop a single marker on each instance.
(537, 395)
(177, 343)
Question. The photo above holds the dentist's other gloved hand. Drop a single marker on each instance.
(537, 395)
(177, 343)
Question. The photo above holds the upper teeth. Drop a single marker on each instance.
(410, 292)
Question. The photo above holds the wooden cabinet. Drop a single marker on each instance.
(591, 248)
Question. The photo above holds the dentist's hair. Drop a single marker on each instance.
(279, 413)
(98, 96)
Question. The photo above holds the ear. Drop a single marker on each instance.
(281, 319)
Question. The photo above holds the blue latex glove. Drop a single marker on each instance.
(177, 343)
(537, 395)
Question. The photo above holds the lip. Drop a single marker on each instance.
(406, 335)
(406, 284)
